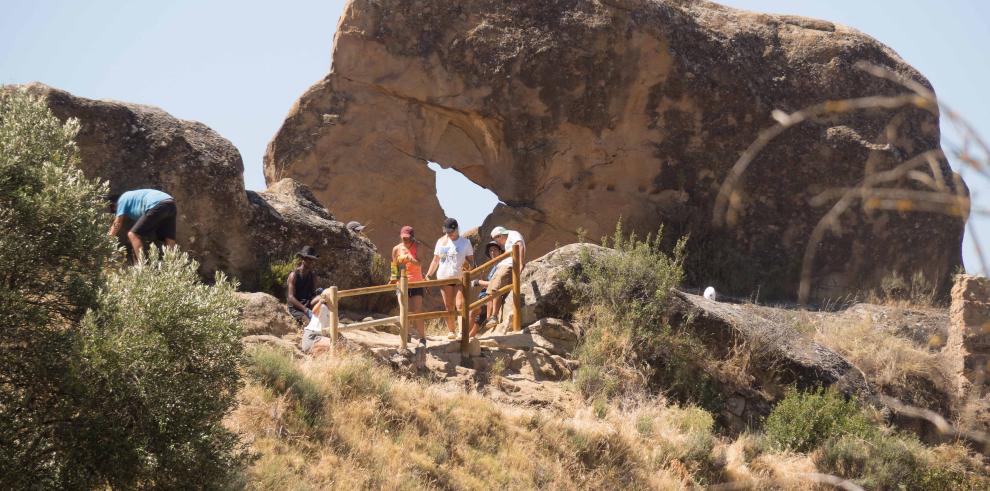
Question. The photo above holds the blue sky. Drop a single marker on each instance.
(237, 66)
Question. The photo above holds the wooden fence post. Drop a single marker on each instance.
(403, 292)
(465, 313)
(334, 312)
(516, 298)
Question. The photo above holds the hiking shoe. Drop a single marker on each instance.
(491, 322)
(422, 342)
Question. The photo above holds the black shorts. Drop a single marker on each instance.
(158, 221)
(415, 292)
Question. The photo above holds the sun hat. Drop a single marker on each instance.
(449, 225)
(355, 226)
(307, 252)
(499, 230)
(493, 243)
(407, 231)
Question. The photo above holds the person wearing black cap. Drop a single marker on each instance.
(449, 256)
(301, 286)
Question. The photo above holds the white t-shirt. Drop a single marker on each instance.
(512, 239)
(452, 255)
(319, 320)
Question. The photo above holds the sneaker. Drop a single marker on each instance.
(422, 342)
(491, 322)
(451, 336)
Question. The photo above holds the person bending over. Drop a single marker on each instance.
(449, 256)
(153, 212)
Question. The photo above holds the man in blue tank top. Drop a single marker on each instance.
(153, 213)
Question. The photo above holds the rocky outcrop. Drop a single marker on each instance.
(264, 314)
(576, 113)
(543, 283)
(220, 225)
(287, 215)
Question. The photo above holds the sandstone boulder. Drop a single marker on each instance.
(264, 314)
(220, 225)
(576, 113)
(287, 216)
(542, 283)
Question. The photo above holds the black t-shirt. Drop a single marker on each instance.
(305, 286)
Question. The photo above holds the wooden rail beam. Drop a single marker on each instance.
(368, 290)
(436, 314)
(491, 262)
(516, 297)
(371, 323)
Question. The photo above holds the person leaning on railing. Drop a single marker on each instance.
(503, 270)
(404, 257)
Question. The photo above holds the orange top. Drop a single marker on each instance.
(413, 271)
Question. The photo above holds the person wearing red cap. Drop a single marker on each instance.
(404, 254)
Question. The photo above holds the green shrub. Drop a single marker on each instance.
(274, 276)
(628, 342)
(162, 355)
(53, 251)
(801, 421)
(106, 383)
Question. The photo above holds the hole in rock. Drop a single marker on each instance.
(461, 198)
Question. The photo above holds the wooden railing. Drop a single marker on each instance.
(331, 296)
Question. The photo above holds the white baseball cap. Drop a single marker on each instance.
(499, 230)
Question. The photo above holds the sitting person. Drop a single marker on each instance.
(503, 270)
(301, 289)
(492, 250)
(313, 341)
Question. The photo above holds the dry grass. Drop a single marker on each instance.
(886, 359)
(343, 422)
(897, 366)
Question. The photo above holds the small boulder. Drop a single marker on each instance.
(264, 314)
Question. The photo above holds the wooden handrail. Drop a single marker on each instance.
(331, 296)
(432, 283)
(491, 262)
(487, 298)
(368, 290)
(371, 323)
(436, 314)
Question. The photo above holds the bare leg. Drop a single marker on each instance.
(321, 346)
(416, 305)
(136, 244)
(447, 292)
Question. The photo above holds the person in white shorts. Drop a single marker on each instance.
(449, 257)
(313, 341)
(503, 270)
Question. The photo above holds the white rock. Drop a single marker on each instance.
(710, 293)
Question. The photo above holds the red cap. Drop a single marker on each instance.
(406, 231)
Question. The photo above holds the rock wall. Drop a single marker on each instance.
(968, 346)
(576, 113)
(222, 226)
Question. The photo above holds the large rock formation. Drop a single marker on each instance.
(134, 146)
(577, 113)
